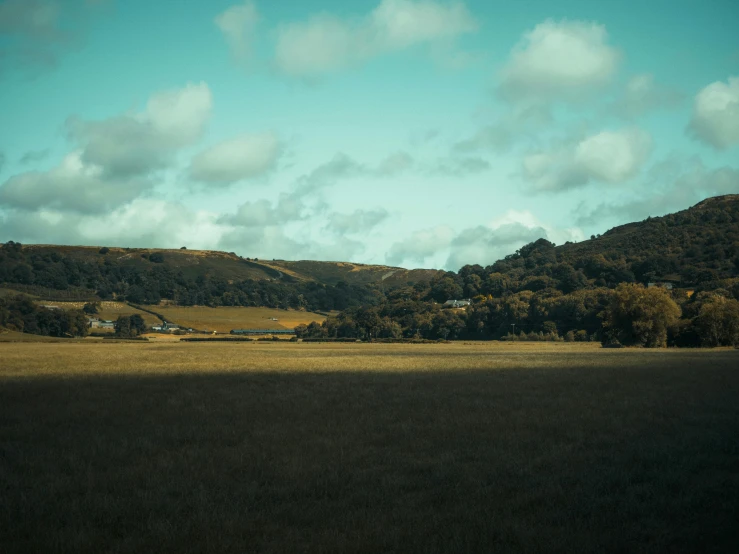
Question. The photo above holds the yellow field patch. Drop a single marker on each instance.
(225, 318)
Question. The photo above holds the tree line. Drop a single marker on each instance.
(629, 315)
(592, 290)
(108, 280)
(21, 313)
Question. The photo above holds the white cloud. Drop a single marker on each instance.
(515, 123)
(486, 244)
(238, 24)
(342, 166)
(403, 23)
(35, 34)
(263, 242)
(715, 118)
(73, 186)
(559, 60)
(136, 144)
(360, 221)
(326, 43)
(420, 245)
(609, 156)
(339, 167)
(481, 244)
(613, 156)
(395, 163)
(138, 224)
(670, 185)
(261, 213)
(232, 160)
(642, 94)
(460, 166)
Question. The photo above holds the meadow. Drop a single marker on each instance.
(290, 447)
(225, 318)
(221, 319)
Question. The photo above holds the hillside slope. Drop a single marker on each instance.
(692, 246)
(335, 272)
(192, 277)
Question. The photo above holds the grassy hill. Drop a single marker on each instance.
(192, 263)
(353, 273)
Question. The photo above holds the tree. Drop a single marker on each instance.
(717, 323)
(123, 326)
(130, 326)
(639, 316)
(91, 308)
(137, 325)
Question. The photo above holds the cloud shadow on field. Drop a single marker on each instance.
(611, 458)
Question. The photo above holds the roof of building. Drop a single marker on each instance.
(457, 303)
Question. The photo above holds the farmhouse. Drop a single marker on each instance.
(165, 327)
(96, 323)
(456, 303)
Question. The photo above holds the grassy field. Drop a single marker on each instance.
(108, 310)
(261, 447)
(225, 318)
(16, 336)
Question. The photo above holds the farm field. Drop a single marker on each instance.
(109, 310)
(225, 318)
(291, 447)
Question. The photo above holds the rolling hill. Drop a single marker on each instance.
(697, 245)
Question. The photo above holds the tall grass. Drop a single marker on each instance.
(261, 447)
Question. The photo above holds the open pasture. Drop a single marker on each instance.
(287, 447)
(224, 318)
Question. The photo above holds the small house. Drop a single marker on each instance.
(456, 303)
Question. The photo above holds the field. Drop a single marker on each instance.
(225, 318)
(108, 310)
(261, 447)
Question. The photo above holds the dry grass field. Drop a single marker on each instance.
(288, 447)
(225, 318)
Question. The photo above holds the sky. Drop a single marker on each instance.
(413, 133)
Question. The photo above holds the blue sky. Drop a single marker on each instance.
(421, 133)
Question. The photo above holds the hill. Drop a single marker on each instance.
(690, 260)
(689, 249)
(335, 272)
(192, 277)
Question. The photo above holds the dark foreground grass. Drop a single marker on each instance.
(637, 454)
